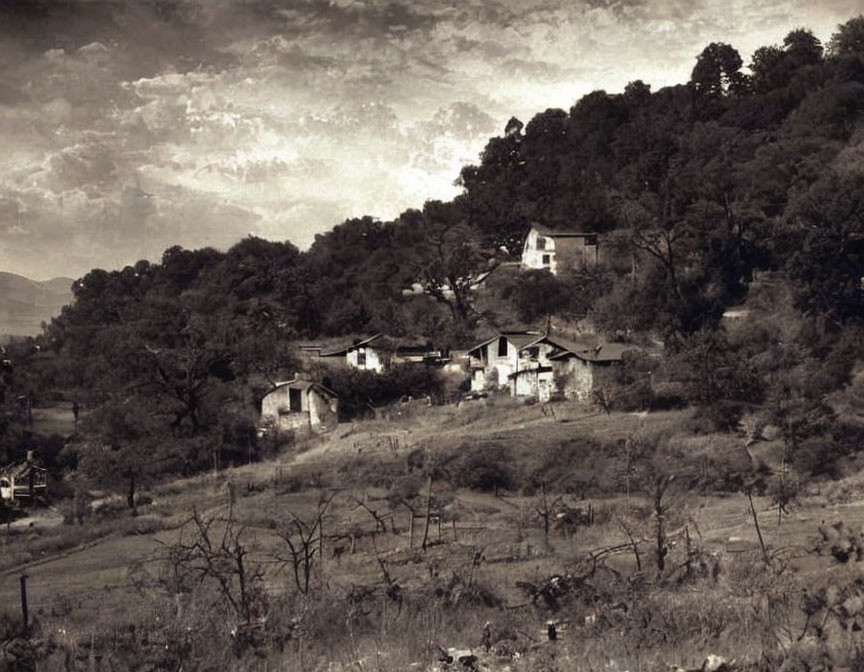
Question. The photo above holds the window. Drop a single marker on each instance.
(295, 399)
(541, 243)
(547, 259)
(502, 347)
(361, 358)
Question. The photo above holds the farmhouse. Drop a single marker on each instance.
(23, 480)
(300, 405)
(379, 353)
(520, 361)
(532, 364)
(556, 251)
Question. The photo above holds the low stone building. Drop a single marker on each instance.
(577, 370)
(300, 405)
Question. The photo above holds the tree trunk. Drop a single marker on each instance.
(130, 495)
(428, 513)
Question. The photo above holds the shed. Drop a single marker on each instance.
(577, 369)
(367, 354)
(380, 352)
(23, 480)
(300, 405)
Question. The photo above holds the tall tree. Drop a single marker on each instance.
(718, 71)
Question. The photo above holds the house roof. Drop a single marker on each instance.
(381, 341)
(303, 385)
(539, 369)
(343, 350)
(19, 468)
(544, 230)
(518, 338)
(605, 352)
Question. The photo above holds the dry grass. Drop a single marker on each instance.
(442, 597)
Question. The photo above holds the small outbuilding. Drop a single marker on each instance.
(366, 354)
(577, 370)
(379, 353)
(23, 481)
(300, 405)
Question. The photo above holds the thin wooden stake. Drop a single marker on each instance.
(428, 511)
(758, 531)
(24, 615)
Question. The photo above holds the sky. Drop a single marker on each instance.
(129, 126)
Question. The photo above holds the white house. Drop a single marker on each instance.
(537, 365)
(379, 352)
(518, 361)
(556, 251)
(300, 405)
(367, 354)
(492, 361)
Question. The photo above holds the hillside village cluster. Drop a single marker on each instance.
(527, 364)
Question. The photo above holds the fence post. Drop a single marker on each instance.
(24, 615)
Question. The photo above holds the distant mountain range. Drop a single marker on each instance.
(25, 303)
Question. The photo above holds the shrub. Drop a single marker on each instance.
(360, 391)
(486, 470)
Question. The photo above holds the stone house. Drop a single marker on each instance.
(300, 405)
(577, 370)
(556, 251)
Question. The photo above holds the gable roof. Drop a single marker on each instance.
(383, 342)
(544, 230)
(605, 352)
(304, 386)
(345, 349)
(520, 339)
(20, 468)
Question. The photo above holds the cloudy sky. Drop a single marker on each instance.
(130, 126)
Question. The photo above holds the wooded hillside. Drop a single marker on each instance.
(731, 181)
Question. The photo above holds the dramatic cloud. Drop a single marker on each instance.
(130, 126)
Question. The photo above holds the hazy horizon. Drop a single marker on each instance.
(129, 127)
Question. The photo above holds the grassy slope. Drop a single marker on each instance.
(90, 588)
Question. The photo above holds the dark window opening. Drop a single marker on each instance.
(541, 243)
(295, 399)
(547, 259)
(361, 358)
(502, 347)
